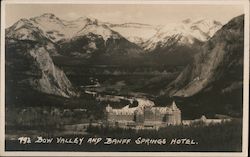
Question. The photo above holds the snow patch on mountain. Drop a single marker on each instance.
(135, 32)
(25, 30)
(187, 31)
(57, 29)
(101, 30)
(220, 60)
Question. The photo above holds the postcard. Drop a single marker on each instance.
(124, 78)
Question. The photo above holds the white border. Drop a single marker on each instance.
(2, 81)
(244, 152)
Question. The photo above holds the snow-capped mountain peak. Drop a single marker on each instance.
(146, 36)
(21, 23)
(208, 26)
(189, 30)
(57, 29)
(101, 30)
(81, 21)
(48, 15)
(47, 18)
(135, 32)
(24, 29)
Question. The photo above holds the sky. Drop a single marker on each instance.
(155, 14)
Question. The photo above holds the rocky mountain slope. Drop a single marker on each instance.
(28, 61)
(101, 43)
(89, 36)
(220, 61)
(177, 43)
(213, 83)
(96, 40)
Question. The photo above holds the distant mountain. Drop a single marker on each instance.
(211, 53)
(178, 43)
(29, 63)
(187, 32)
(150, 38)
(57, 29)
(135, 32)
(221, 57)
(88, 35)
(216, 75)
(97, 40)
(25, 30)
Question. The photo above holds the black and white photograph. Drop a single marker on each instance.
(112, 78)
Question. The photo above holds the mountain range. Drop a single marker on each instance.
(221, 58)
(186, 32)
(145, 36)
(214, 79)
(91, 38)
(212, 53)
(88, 37)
